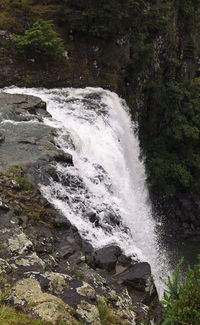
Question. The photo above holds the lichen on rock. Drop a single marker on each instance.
(27, 292)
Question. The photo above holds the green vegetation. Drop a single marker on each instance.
(9, 316)
(105, 313)
(19, 177)
(39, 41)
(23, 183)
(104, 19)
(172, 137)
(79, 275)
(182, 297)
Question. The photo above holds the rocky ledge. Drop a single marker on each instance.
(47, 269)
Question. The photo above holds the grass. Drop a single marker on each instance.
(9, 316)
(79, 275)
(106, 315)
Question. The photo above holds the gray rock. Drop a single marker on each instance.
(19, 244)
(30, 140)
(4, 267)
(136, 276)
(27, 292)
(106, 257)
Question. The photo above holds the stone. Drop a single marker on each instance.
(93, 218)
(106, 257)
(61, 221)
(4, 267)
(18, 103)
(27, 263)
(88, 313)
(27, 292)
(61, 156)
(57, 282)
(29, 140)
(136, 277)
(87, 291)
(19, 244)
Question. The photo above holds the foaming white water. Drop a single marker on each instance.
(108, 178)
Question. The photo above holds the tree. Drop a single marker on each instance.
(39, 41)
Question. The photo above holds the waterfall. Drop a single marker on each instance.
(107, 180)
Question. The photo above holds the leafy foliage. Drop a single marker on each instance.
(105, 19)
(172, 137)
(182, 297)
(40, 40)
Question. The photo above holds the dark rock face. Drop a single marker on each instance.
(106, 257)
(136, 276)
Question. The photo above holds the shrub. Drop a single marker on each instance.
(39, 41)
(182, 297)
(21, 14)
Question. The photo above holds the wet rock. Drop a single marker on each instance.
(113, 219)
(106, 257)
(13, 105)
(136, 276)
(124, 260)
(61, 156)
(61, 221)
(30, 140)
(51, 170)
(93, 218)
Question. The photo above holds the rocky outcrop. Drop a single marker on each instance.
(44, 267)
(47, 269)
(15, 106)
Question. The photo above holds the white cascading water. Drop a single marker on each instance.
(108, 177)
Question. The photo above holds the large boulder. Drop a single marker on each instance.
(106, 258)
(136, 276)
(27, 293)
(139, 282)
(14, 104)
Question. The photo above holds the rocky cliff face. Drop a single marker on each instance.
(47, 270)
(149, 55)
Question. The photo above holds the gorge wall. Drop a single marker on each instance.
(146, 52)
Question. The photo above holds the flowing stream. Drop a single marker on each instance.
(104, 194)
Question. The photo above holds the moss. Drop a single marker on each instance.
(23, 182)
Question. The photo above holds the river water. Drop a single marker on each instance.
(107, 181)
